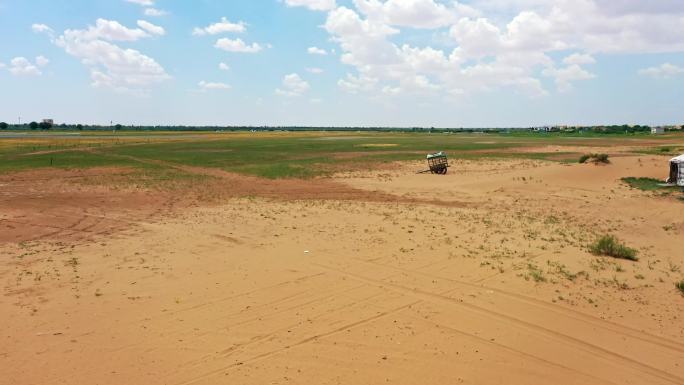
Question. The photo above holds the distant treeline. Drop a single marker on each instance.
(614, 129)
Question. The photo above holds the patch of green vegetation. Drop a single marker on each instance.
(159, 177)
(660, 150)
(63, 160)
(594, 158)
(304, 157)
(273, 154)
(293, 169)
(645, 184)
(609, 245)
(653, 185)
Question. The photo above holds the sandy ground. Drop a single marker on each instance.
(478, 277)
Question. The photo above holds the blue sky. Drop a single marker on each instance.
(343, 63)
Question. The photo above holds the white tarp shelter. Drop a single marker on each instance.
(676, 171)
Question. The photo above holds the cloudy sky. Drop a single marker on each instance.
(343, 62)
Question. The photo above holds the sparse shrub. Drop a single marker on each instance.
(601, 158)
(551, 220)
(535, 273)
(610, 246)
(595, 158)
(680, 285)
(559, 268)
(620, 285)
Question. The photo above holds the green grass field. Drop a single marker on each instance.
(282, 155)
(645, 184)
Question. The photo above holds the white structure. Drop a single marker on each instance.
(677, 171)
(657, 130)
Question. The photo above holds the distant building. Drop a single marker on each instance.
(657, 130)
(49, 121)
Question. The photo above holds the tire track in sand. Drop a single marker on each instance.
(597, 352)
(300, 342)
(577, 315)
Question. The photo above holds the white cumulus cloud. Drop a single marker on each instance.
(21, 66)
(154, 12)
(293, 85)
(223, 66)
(663, 71)
(42, 61)
(566, 75)
(316, 51)
(213, 86)
(314, 70)
(41, 28)
(151, 28)
(223, 26)
(495, 43)
(110, 30)
(237, 45)
(355, 84)
(144, 3)
(110, 65)
(579, 58)
(414, 13)
(315, 5)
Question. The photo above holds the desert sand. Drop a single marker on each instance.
(481, 276)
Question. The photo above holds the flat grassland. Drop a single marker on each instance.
(325, 258)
